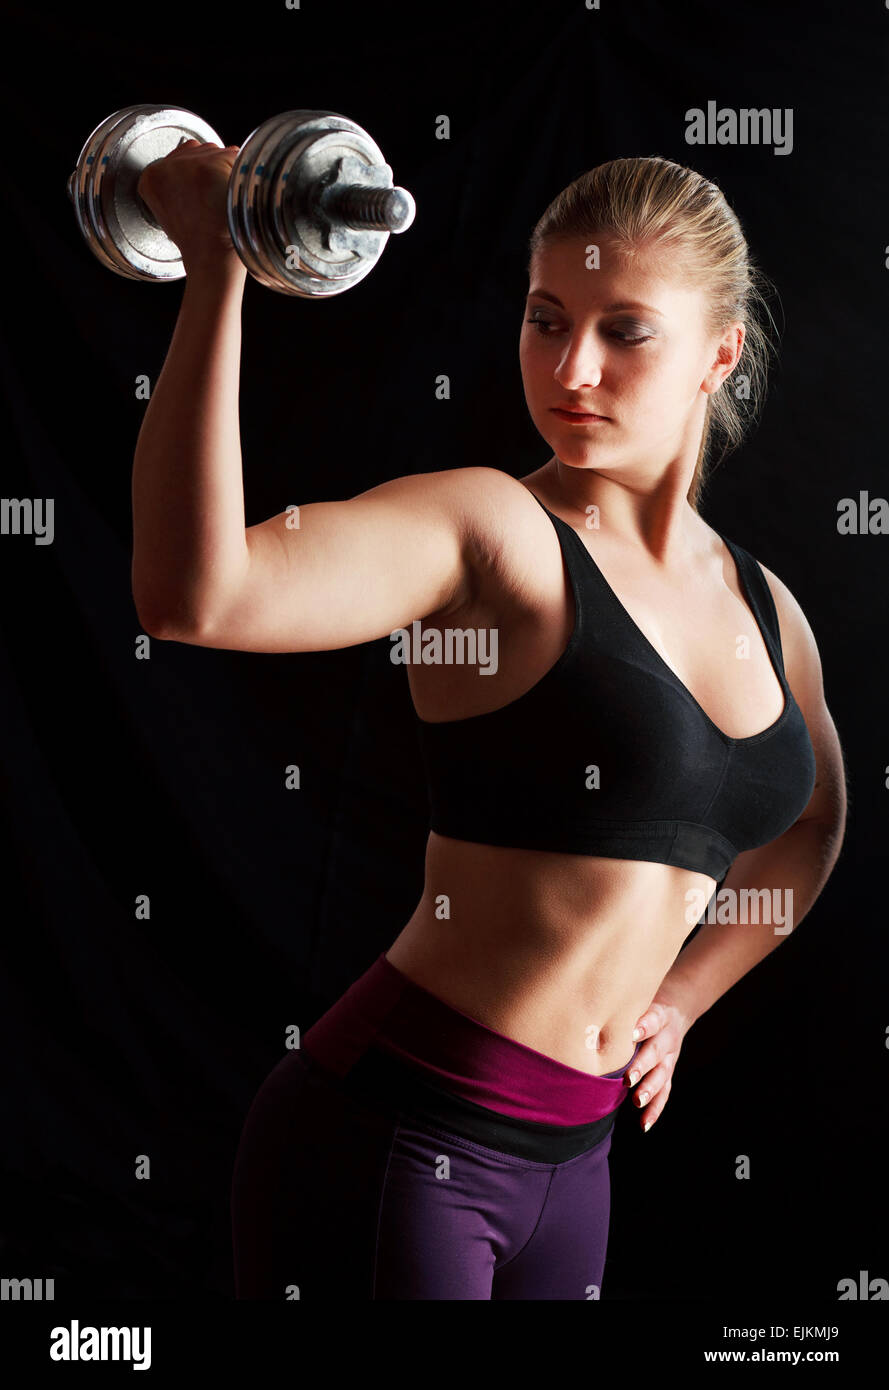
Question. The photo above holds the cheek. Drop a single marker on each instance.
(672, 373)
(536, 370)
(655, 383)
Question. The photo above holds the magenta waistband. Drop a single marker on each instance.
(386, 1010)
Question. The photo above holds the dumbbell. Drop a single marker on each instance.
(310, 200)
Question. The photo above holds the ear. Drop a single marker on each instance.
(728, 354)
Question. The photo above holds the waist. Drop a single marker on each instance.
(384, 1079)
(563, 887)
(562, 952)
(385, 1011)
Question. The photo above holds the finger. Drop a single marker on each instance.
(645, 1060)
(192, 146)
(651, 1112)
(650, 1022)
(650, 1085)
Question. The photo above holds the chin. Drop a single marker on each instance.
(582, 461)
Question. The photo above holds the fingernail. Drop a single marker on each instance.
(637, 1033)
(634, 1077)
(643, 1098)
(647, 1126)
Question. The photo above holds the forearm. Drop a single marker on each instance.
(764, 896)
(189, 543)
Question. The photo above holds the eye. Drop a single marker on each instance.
(545, 326)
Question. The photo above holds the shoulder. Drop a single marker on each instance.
(802, 664)
(487, 498)
(511, 547)
(485, 509)
(802, 660)
(497, 515)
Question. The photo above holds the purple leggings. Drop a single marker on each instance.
(372, 1180)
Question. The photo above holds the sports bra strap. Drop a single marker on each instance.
(760, 596)
(753, 581)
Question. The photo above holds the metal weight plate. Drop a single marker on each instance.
(249, 222)
(114, 220)
(245, 205)
(284, 254)
(329, 247)
(285, 183)
(80, 181)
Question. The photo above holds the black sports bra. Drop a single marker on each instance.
(610, 754)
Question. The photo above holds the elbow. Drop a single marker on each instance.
(175, 615)
(156, 626)
(169, 626)
(149, 612)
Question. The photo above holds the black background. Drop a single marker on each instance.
(165, 777)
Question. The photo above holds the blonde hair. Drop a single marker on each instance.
(652, 202)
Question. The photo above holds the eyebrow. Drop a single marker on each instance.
(609, 308)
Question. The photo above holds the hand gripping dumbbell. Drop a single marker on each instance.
(310, 201)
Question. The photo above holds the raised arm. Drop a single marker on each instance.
(350, 570)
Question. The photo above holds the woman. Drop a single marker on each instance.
(654, 724)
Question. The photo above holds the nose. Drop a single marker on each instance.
(579, 365)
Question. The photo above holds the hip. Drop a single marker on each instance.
(397, 1044)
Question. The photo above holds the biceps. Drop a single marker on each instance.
(348, 572)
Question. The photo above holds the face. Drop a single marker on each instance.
(626, 341)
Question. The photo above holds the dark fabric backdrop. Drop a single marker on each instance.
(165, 777)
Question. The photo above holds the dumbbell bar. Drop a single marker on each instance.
(310, 201)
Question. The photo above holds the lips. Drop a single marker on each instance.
(577, 417)
(576, 410)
